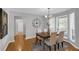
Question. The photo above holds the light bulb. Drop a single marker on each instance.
(45, 16)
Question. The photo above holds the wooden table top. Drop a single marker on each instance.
(43, 34)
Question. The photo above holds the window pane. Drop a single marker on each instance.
(72, 27)
(57, 24)
(63, 25)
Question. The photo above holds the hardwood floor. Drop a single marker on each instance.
(28, 44)
(71, 48)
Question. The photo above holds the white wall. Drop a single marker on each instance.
(29, 30)
(9, 36)
(77, 26)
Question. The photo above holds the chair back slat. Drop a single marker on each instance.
(53, 38)
(60, 36)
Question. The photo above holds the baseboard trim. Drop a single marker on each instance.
(7, 45)
(72, 44)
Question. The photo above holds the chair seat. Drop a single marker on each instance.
(59, 41)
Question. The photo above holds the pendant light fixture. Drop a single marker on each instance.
(48, 17)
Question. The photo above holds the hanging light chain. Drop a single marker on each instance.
(48, 12)
(48, 20)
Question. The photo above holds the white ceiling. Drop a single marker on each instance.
(38, 11)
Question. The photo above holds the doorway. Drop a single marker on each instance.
(19, 26)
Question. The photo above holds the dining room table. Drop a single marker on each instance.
(44, 36)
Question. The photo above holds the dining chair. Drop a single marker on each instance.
(60, 39)
(51, 42)
(39, 40)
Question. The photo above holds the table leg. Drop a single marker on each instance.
(43, 45)
(36, 40)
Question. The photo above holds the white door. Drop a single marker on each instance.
(19, 26)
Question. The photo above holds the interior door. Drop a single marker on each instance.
(19, 26)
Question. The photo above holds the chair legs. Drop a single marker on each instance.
(54, 47)
(40, 42)
(50, 48)
(58, 45)
(62, 44)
